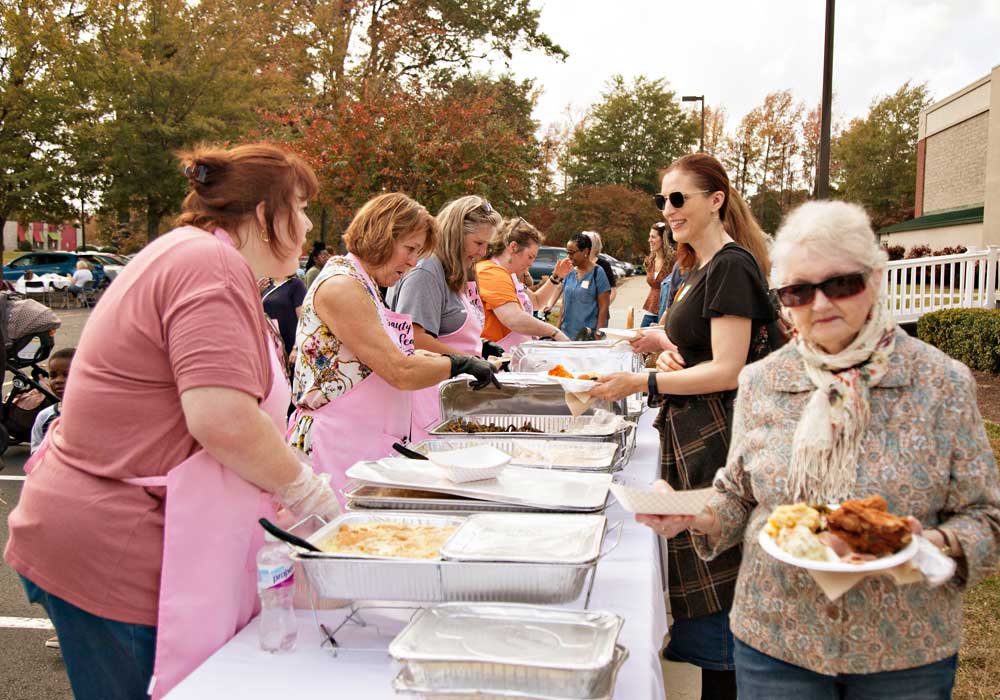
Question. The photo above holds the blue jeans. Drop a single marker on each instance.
(762, 677)
(648, 320)
(706, 642)
(105, 659)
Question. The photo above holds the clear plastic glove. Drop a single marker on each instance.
(481, 370)
(309, 494)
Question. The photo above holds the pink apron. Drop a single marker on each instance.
(363, 422)
(512, 338)
(208, 581)
(466, 340)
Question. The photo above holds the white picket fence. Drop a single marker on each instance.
(915, 287)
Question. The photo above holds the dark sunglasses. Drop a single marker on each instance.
(676, 199)
(839, 287)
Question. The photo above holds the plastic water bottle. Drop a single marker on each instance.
(276, 586)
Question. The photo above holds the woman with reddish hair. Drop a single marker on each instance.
(139, 513)
(714, 329)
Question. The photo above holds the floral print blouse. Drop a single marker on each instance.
(325, 368)
(925, 451)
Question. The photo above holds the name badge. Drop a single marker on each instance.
(585, 284)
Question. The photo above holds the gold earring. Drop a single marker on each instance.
(263, 236)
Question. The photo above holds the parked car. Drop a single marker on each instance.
(625, 265)
(616, 266)
(44, 262)
(111, 263)
(545, 263)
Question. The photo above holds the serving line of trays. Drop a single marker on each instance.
(595, 429)
(563, 455)
(410, 484)
(477, 650)
(495, 557)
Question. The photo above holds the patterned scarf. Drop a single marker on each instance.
(828, 436)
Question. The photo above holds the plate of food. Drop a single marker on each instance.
(851, 537)
(577, 384)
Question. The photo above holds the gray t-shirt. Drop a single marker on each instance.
(423, 294)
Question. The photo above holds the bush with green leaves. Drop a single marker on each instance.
(971, 336)
(24, 246)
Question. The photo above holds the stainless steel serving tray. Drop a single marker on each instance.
(531, 393)
(541, 489)
(569, 455)
(527, 649)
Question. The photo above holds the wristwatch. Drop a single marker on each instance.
(653, 389)
(555, 280)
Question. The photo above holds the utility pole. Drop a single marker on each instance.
(823, 166)
(697, 98)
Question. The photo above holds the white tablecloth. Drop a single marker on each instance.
(49, 282)
(628, 583)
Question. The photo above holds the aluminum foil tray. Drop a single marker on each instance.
(404, 683)
(423, 580)
(546, 537)
(531, 393)
(422, 519)
(570, 455)
(551, 427)
(365, 497)
(511, 648)
(541, 489)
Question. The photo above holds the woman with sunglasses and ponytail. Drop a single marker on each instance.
(713, 328)
(852, 408)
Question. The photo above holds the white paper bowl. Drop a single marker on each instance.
(470, 463)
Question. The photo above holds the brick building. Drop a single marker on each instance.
(42, 236)
(958, 172)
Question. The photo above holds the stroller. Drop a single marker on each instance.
(27, 329)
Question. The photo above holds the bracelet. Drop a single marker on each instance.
(555, 280)
(653, 389)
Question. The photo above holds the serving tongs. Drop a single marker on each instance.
(407, 452)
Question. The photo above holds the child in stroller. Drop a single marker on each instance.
(27, 332)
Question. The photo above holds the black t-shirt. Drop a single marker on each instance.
(606, 266)
(280, 303)
(731, 284)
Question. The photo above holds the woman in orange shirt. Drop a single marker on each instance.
(508, 303)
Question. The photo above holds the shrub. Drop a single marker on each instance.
(971, 336)
(24, 246)
(895, 252)
(919, 251)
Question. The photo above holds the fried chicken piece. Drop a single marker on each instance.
(867, 527)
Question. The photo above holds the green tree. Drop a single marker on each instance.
(622, 216)
(33, 177)
(877, 155)
(152, 77)
(634, 131)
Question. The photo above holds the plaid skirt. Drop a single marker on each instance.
(694, 443)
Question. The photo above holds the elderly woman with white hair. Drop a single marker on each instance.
(853, 407)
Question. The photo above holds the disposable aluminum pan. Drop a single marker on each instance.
(350, 576)
(530, 393)
(431, 581)
(404, 683)
(552, 427)
(568, 455)
(511, 648)
(362, 497)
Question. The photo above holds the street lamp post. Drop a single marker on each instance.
(823, 167)
(698, 98)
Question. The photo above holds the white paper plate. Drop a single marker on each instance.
(471, 463)
(619, 333)
(576, 386)
(880, 564)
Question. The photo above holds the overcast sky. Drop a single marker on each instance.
(737, 51)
